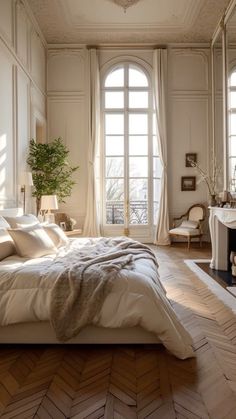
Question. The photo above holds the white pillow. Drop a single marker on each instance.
(189, 224)
(32, 242)
(7, 247)
(22, 221)
(3, 223)
(56, 234)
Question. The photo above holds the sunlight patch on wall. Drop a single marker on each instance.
(3, 144)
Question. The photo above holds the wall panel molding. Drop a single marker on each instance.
(189, 68)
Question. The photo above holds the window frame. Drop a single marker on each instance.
(231, 111)
(126, 111)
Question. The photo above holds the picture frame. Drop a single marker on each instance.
(192, 156)
(63, 225)
(188, 183)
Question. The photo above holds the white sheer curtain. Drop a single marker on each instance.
(91, 225)
(159, 87)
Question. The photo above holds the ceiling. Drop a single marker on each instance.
(151, 21)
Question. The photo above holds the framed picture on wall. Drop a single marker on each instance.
(188, 183)
(190, 157)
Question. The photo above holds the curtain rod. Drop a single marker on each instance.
(126, 46)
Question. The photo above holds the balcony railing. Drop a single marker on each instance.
(138, 212)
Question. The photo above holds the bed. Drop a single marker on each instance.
(127, 303)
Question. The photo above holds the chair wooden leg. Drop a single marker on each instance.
(189, 241)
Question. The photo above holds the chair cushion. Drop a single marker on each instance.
(189, 224)
(184, 231)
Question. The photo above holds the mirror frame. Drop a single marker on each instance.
(222, 27)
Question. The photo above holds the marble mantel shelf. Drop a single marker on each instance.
(219, 221)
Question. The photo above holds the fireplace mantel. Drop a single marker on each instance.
(219, 221)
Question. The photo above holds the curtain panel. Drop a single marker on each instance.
(91, 225)
(159, 87)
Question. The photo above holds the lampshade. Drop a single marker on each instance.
(26, 179)
(49, 202)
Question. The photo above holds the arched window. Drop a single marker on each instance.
(131, 166)
(232, 131)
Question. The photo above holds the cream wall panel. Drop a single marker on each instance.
(22, 38)
(108, 55)
(23, 119)
(38, 101)
(218, 68)
(66, 71)
(7, 162)
(188, 133)
(6, 20)
(38, 60)
(188, 70)
(67, 119)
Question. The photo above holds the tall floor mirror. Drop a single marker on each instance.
(217, 105)
(231, 99)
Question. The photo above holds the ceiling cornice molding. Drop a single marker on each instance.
(127, 46)
(73, 25)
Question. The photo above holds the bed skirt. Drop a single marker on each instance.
(42, 333)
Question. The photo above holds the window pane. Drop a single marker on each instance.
(138, 145)
(232, 98)
(114, 145)
(155, 212)
(138, 124)
(114, 190)
(137, 78)
(154, 125)
(115, 78)
(232, 168)
(114, 167)
(157, 167)
(233, 79)
(138, 189)
(155, 146)
(138, 166)
(114, 100)
(114, 201)
(232, 146)
(138, 212)
(114, 124)
(156, 189)
(138, 99)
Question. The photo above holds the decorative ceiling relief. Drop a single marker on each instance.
(145, 21)
(125, 3)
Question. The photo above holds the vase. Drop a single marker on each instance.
(212, 200)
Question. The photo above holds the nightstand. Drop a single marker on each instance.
(74, 233)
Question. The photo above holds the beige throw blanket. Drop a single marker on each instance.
(83, 285)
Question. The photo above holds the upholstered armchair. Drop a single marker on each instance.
(189, 225)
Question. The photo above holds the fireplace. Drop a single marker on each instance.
(222, 222)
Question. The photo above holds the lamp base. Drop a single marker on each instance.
(49, 217)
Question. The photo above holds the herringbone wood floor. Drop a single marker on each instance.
(132, 382)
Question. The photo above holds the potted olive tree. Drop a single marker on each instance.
(51, 172)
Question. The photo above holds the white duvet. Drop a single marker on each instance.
(137, 297)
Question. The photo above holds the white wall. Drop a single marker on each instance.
(22, 93)
(189, 123)
(68, 118)
(188, 116)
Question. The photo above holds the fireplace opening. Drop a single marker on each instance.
(231, 244)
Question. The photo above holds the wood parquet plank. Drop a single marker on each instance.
(132, 382)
